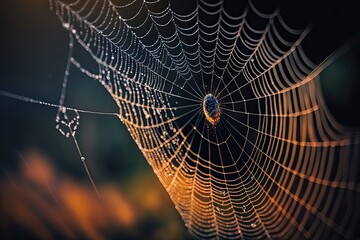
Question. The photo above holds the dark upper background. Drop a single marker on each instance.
(33, 56)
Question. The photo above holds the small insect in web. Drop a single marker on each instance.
(67, 122)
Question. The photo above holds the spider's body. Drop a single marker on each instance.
(211, 109)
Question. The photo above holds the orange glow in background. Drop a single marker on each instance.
(42, 202)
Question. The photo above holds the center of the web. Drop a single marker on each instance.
(211, 109)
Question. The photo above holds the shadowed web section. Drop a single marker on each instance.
(272, 163)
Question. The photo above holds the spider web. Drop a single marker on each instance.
(277, 165)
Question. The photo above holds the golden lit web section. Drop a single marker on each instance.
(267, 160)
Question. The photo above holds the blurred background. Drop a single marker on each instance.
(44, 190)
